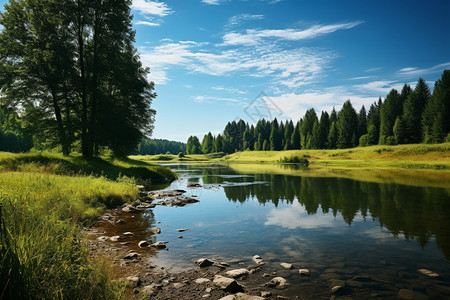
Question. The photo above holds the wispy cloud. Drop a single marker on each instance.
(254, 36)
(373, 69)
(210, 99)
(228, 89)
(147, 23)
(211, 2)
(290, 68)
(237, 20)
(411, 71)
(154, 8)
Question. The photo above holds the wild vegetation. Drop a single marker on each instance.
(409, 117)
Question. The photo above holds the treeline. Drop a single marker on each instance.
(70, 70)
(13, 137)
(160, 146)
(405, 117)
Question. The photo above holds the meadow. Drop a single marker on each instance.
(47, 200)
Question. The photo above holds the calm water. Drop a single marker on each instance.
(384, 230)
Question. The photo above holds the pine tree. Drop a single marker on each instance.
(295, 137)
(389, 111)
(333, 136)
(324, 129)
(400, 130)
(275, 137)
(218, 143)
(436, 115)
(307, 127)
(362, 123)
(412, 112)
(347, 125)
(207, 143)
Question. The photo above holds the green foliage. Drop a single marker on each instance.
(41, 248)
(74, 74)
(193, 145)
(275, 137)
(295, 160)
(207, 143)
(159, 146)
(347, 126)
(390, 110)
(400, 131)
(364, 140)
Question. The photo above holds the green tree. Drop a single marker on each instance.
(218, 143)
(324, 129)
(389, 111)
(249, 140)
(436, 115)
(373, 123)
(400, 131)
(347, 126)
(295, 137)
(275, 137)
(333, 136)
(207, 143)
(193, 145)
(362, 123)
(307, 127)
(412, 112)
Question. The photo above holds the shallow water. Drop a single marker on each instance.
(330, 225)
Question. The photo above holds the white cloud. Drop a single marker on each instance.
(379, 87)
(146, 23)
(254, 37)
(211, 2)
(416, 72)
(147, 7)
(297, 217)
(373, 69)
(291, 68)
(209, 99)
(239, 19)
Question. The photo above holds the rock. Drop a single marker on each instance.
(180, 236)
(237, 273)
(177, 202)
(277, 282)
(159, 245)
(142, 244)
(120, 221)
(304, 272)
(106, 217)
(150, 290)
(154, 230)
(177, 285)
(204, 262)
(227, 284)
(241, 296)
(335, 289)
(206, 296)
(102, 238)
(428, 273)
(128, 233)
(202, 281)
(335, 282)
(208, 290)
(164, 194)
(136, 281)
(193, 185)
(131, 255)
(115, 238)
(408, 294)
(266, 294)
(257, 259)
(286, 265)
(181, 230)
(129, 208)
(144, 205)
(221, 265)
(140, 187)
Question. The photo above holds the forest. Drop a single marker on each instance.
(407, 117)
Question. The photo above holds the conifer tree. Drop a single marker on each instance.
(389, 111)
(412, 112)
(347, 125)
(275, 137)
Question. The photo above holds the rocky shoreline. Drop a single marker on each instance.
(120, 237)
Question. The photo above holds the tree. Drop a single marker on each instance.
(412, 112)
(73, 64)
(389, 111)
(362, 123)
(373, 123)
(249, 140)
(307, 127)
(436, 115)
(333, 136)
(288, 130)
(295, 137)
(193, 145)
(275, 137)
(400, 131)
(347, 125)
(218, 143)
(207, 143)
(324, 129)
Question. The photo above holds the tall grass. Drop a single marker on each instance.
(42, 252)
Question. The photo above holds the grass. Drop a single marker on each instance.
(415, 156)
(53, 163)
(47, 199)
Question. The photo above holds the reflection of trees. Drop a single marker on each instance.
(416, 212)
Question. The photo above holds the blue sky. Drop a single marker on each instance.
(215, 61)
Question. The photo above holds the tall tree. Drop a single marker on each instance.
(307, 127)
(347, 125)
(412, 112)
(275, 137)
(295, 137)
(362, 123)
(207, 143)
(436, 116)
(390, 110)
(324, 129)
(373, 123)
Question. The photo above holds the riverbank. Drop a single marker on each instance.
(414, 156)
(47, 199)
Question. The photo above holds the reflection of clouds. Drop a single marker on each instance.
(380, 234)
(297, 217)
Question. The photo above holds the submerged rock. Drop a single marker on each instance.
(277, 282)
(227, 284)
(202, 280)
(286, 265)
(428, 273)
(193, 185)
(154, 230)
(408, 294)
(237, 273)
(128, 233)
(241, 296)
(132, 255)
(142, 244)
(204, 262)
(164, 194)
(304, 272)
(257, 259)
(177, 202)
(159, 245)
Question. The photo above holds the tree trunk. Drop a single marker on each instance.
(61, 131)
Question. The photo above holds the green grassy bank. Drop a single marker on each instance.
(415, 156)
(47, 199)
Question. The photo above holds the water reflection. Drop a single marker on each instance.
(412, 212)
